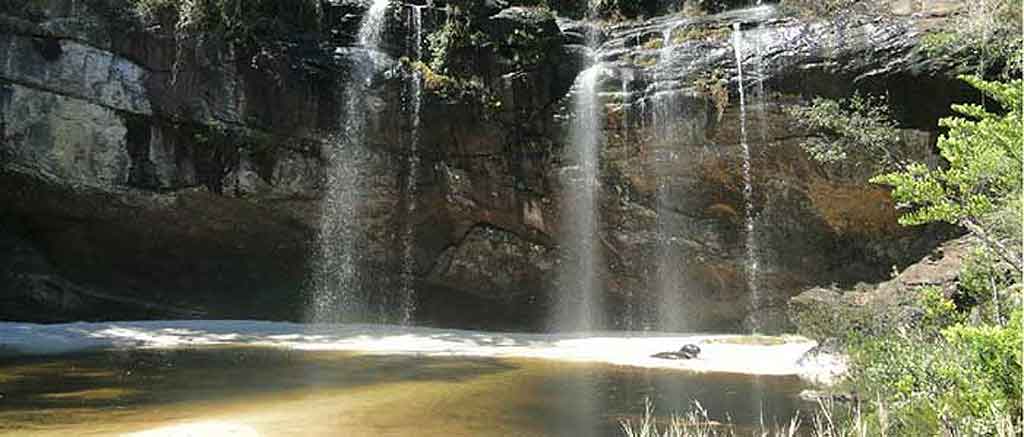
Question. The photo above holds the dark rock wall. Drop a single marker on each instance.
(144, 174)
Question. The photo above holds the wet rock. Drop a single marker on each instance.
(826, 314)
(687, 352)
(691, 349)
(194, 173)
(494, 263)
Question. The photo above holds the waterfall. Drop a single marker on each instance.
(748, 187)
(580, 306)
(408, 275)
(761, 96)
(336, 282)
(669, 279)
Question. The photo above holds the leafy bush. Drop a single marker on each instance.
(939, 310)
(964, 382)
(957, 369)
(459, 33)
(987, 287)
(823, 314)
(996, 351)
(853, 133)
(983, 175)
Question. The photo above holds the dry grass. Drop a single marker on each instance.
(696, 423)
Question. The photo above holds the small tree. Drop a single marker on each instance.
(983, 178)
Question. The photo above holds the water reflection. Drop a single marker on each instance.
(267, 392)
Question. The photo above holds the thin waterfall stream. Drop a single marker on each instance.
(748, 186)
(670, 301)
(408, 275)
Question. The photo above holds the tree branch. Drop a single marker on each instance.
(993, 244)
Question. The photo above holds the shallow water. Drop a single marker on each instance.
(273, 391)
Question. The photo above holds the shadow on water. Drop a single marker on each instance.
(141, 377)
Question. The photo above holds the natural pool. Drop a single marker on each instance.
(266, 391)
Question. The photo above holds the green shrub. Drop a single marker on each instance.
(956, 370)
(458, 34)
(939, 310)
(928, 386)
(850, 134)
(983, 176)
(454, 89)
(996, 352)
(989, 286)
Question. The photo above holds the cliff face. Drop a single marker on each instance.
(151, 173)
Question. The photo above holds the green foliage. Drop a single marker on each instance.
(850, 317)
(238, 21)
(983, 35)
(525, 46)
(987, 284)
(458, 34)
(983, 176)
(453, 89)
(956, 370)
(455, 47)
(654, 44)
(681, 35)
(996, 351)
(959, 383)
(939, 310)
(853, 133)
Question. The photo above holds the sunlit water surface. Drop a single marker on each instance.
(271, 391)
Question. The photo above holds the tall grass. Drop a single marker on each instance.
(826, 423)
(696, 423)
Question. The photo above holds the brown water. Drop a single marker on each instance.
(281, 392)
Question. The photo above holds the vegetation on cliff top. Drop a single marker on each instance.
(239, 21)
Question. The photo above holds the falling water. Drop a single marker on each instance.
(761, 97)
(629, 314)
(665, 118)
(666, 45)
(748, 188)
(408, 276)
(336, 282)
(580, 308)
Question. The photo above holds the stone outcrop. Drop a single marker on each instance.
(825, 313)
(172, 175)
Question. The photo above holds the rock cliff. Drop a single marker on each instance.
(149, 171)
